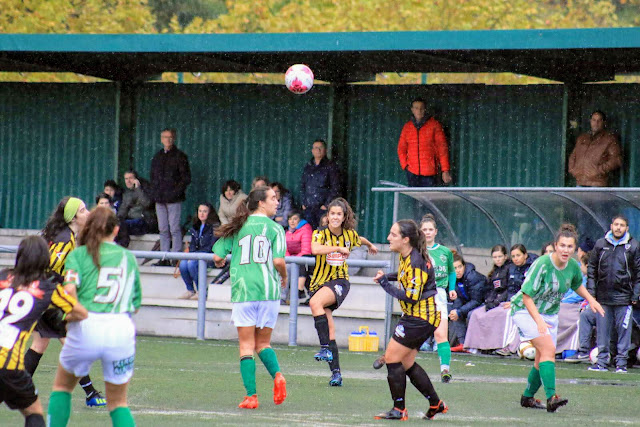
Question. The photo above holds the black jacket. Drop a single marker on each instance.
(204, 242)
(320, 184)
(516, 275)
(496, 290)
(613, 275)
(470, 289)
(170, 176)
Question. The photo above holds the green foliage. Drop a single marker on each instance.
(184, 12)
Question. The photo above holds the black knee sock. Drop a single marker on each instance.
(31, 361)
(421, 381)
(87, 385)
(34, 420)
(322, 327)
(397, 383)
(334, 365)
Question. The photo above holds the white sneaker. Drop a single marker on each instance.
(194, 296)
(187, 295)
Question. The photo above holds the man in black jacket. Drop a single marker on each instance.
(170, 176)
(613, 277)
(320, 184)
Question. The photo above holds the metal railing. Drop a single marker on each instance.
(295, 263)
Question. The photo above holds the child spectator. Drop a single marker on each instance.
(115, 193)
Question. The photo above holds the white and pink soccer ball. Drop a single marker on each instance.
(299, 79)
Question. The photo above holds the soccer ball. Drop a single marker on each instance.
(593, 356)
(299, 79)
(526, 350)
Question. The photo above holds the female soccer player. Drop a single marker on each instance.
(535, 312)
(25, 293)
(60, 232)
(445, 275)
(106, 280)
(257, 247)
(420, 318)
(329, 284)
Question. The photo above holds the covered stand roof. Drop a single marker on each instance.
(577, 55)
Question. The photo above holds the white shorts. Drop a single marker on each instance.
(441, 303)
(528, 328)
(110, 338)
(261, 314)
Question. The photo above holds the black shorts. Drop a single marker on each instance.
(46, 330)
(411, 331)
(340, 289)
(17, 389)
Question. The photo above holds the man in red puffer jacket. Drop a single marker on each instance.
(422, 147)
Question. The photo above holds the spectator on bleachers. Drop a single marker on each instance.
(547, 248)
(231, 196)
(170, 177)
(260, 181)
(520, 263)
(115, 193)
(285, 204)
(204, 224)
(498, 276)
(298, 238)
(470, 286)
(137, 209)
(104, 201)
(319, 185)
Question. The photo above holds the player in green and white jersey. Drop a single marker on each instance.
(535, 312)
(258, 271)
(445, 275)
(105, 277)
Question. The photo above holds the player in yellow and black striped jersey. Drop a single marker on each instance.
(419, 320)
(329, 284)
(25, 293)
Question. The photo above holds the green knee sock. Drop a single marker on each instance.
(533, 382)
(121, 417)
(270, 361)
(548, 377)
(248, 372)
(59, 409)
(444, 353)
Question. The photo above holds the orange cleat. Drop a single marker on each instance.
(279, 389)
(249, 402)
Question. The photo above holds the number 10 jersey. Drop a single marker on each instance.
(252, 249)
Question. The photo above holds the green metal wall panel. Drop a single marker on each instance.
(55, 140)
(498, 136)
(231, 132)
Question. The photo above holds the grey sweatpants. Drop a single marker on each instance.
(169, 226)
(618, 317)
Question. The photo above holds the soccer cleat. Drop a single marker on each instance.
(96, 399)
(379, 362)
(440, 408)
(393, 414)
(577, 358)
(279, 389)
(249, 402)
(324, 355)
(597, 368)
(445, 376)
(621, 370)
(336, 379)
(531, 402)
(554, 402)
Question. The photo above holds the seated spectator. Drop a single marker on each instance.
(104, 201)
(285, 204)
(137, 210)
(520, 263)
(547, 248)
(298, 238)
(470, 287)
(231, 196)
(496, 291)
(114, 191)
(260, 181)
(205, 222)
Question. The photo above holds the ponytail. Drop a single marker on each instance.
(417, 240)
(100, 225)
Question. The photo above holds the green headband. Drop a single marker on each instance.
(71, 209)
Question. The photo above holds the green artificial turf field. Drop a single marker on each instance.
(184, 382)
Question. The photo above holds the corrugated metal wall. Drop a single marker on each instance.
(55, 140)
(498, 136)
(231, 132)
